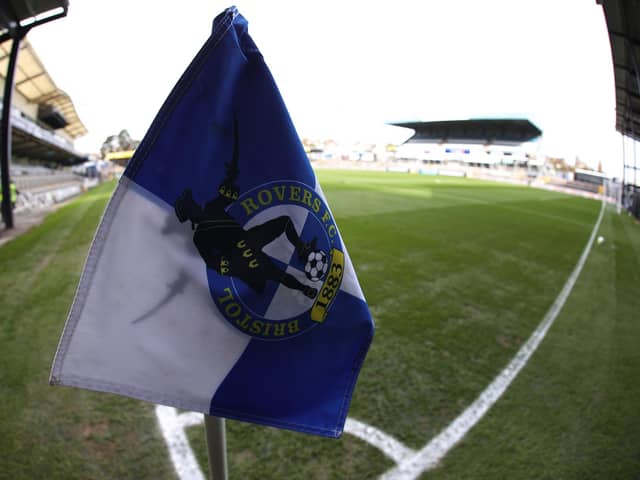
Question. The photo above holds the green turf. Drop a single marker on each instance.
(456, 281)
(573, 412)
(61, 433)
(457, 273)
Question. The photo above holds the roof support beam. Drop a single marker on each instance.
(631, 41)
(625, 68)
(626, 122)
(628, 92)
(28, 79)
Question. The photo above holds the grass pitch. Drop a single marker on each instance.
(457, 273)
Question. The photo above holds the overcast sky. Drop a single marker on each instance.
(347, 68)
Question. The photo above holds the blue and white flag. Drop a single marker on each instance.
(217, 280)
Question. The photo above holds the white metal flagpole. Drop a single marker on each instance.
(216, 436)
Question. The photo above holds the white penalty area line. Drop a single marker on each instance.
(429, 456)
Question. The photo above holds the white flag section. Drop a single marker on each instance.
(135, 332)
(217, 281)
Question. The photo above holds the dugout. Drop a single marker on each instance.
(623, 18)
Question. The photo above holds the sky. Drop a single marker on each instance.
(346, 69)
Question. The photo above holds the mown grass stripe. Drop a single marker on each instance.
(456, 288)
(429, 456)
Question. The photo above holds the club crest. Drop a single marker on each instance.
(274, 257)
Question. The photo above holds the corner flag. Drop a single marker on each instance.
(217, 280)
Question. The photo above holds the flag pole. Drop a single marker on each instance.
(216, 436)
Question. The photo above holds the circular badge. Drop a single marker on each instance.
(282, 265)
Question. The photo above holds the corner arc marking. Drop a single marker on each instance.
(388, 445)
(173, 425)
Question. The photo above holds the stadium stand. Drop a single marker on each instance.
(588, 181)
(502, 148)
(623, 18)
(44, 125)
(43, 118)
(30, 178)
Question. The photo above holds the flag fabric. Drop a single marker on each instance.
(217, 280)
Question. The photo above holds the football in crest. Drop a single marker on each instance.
(316, 266)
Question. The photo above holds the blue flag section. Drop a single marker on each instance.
(218, 280)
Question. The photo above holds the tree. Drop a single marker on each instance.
(118, 143)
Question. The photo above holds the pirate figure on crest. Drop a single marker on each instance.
(229, 249)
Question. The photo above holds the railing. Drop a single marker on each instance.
(36, 182)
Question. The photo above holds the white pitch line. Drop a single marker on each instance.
(172, 426)
(388, 445)
(429, 456)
